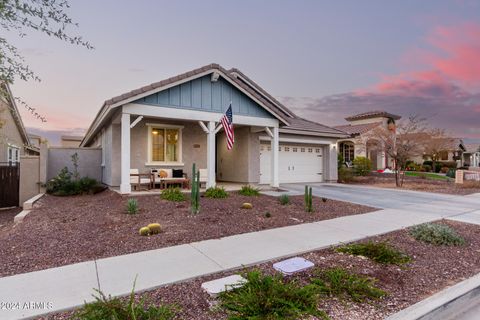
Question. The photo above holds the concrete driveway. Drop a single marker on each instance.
(381, 197)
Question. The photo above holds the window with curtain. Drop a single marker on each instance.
(165, 144)
(348, 151)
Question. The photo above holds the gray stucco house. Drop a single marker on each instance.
(175, 122)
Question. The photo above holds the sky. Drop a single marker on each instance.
(324, 59)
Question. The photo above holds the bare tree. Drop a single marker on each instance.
(402, 142)
(438, 142)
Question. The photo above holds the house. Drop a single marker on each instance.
(471, 156)
(70, 141)
(362, 141)
(14, 140)
(175, 122)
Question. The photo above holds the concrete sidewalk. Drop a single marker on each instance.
(70, 286)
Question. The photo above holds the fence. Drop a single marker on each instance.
(9, 185)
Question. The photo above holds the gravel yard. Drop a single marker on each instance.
(65, 230)
(432, 268)
(419, 184)
(7, 215)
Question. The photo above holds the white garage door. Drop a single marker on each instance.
(297, 163)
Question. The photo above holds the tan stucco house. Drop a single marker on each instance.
(362, 141)
(67, 141)
(174, 123)
(14, 140)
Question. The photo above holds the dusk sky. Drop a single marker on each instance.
(323, 59)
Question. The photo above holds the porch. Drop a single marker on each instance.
(149, 144)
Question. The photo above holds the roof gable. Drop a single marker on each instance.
(205, 94)
(8, 99)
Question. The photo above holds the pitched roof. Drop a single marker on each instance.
(357, 128)
(301, 124)
(72, 138)
(233, 75)
(372, 114)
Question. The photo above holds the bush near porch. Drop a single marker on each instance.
(74, 229)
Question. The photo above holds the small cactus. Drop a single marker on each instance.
(308, 199)
(154, 228)
(324, 199)
(144, 231)
(268, 215)
(247, 205)
(132, 206)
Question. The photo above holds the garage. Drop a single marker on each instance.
(297, 163)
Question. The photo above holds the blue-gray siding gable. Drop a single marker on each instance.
(204, 95)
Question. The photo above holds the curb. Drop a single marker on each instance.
(27, 207)
(445, 304)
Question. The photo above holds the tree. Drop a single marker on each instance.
(436, 144)
(19, 16)
(402, 142)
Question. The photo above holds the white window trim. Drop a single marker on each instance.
(15, 153)
(149, 143)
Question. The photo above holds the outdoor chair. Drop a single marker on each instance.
(138, 179)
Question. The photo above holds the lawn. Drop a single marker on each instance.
(404, 284)
(427, 175)
(65, 230)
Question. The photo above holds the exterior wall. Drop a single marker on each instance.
(194, 149)
(371, 120)
(29, 177)
(69, 143)
(242, 163)
(9, 133)
(204, 95)
(89, 162)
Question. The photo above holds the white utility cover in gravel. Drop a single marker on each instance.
(293, 265)
(214, 287)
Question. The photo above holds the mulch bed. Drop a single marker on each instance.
(7, 215)
(419, 184)
(432, 269)
(65, 230)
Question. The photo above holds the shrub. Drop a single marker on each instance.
(144, 231)
(64, 185)
(132, 206)
(122, 309)
(172, 194)
(380, 252)
(444, 169)
(268, 215)
(247, 205)
(272, 298)
(216, 193)
(451, 173)
(324, 200)
(284, 199)
(249, 191)
(436, 234)
(427, 168)
(362, 166)
(155, 228)
(341, 283)
(345, 175)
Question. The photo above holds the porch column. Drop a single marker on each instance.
(211, 179)
(274, 146)
(125, 154)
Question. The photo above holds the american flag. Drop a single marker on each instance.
(227, 123)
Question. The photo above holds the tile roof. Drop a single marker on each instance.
(372, 114)
(358, 128)
(301, 124)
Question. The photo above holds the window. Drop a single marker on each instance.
(165, 143)
(287, 149)
(294, 149)
(443, 155)
(310, 150)
(317, 150)
(347, 151)
(13, 154)
(302, 149)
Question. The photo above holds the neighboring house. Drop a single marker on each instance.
(175, 123)
(471, 156)
(362, 141)
(14, 140)
(35, 141)
(70, 141)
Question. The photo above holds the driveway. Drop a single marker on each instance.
(388, 198)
